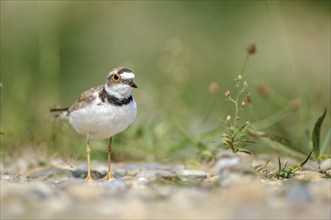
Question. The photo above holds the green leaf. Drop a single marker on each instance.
(309, 138)
(194, 163)
(305, 161)
(316, 134)
(279, 164)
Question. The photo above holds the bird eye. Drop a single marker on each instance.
(116, 77)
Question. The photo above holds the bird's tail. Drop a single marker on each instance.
(60, 112)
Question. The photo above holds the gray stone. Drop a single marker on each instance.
(154, 174)
(225, 162)
(50, 172)
(142, 181)
(114, 184)
(156, 191)
(120, 172)
(326, 164)
(192, 175)
(299, 192)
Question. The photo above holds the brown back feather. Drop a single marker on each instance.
(85, 98)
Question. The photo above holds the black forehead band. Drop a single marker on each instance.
(124, 70)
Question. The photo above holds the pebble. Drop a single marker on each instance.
(137, 192)
(192, 175)
(120, 172)
(225, 162)
(142, 181)
(308, 175)
(299, 192)
(113, 184)
(50, 172)
(326, 164)
(155, 174)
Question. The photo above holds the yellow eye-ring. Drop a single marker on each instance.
(116, 77)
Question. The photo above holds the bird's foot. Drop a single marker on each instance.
(89, 177)
(108, 176)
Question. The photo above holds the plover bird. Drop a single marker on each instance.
(104, 111)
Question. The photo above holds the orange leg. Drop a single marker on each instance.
(88, 150)
(109, 175)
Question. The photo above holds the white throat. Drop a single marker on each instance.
(118, 90)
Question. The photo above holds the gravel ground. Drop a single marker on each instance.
(230, 189)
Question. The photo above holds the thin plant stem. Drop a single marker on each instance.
(245, 65)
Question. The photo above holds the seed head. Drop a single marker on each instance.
(243, 103)
(213, 88)
(251, 49)
(228, 118)
(263, 89)
(295, 104)
(249, 99)
(227, 93)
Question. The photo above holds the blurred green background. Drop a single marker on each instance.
(51, 51)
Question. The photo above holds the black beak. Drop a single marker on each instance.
(132, 84)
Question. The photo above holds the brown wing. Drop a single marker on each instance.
(85, 98)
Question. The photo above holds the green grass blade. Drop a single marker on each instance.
(326, 142)
(183, 132)
(279, 164)
(279, 146)
(316, 134)
(308, 138)
(305, 161)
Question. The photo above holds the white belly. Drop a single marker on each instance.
(103, 121)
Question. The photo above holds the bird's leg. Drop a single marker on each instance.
(88, 150)
(109, 175)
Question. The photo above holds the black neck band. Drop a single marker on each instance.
(113, 100)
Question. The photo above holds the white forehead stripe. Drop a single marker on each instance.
(127, 75)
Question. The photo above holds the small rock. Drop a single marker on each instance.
(11, 177)
(155, 174)
(165, 174)
(309, 175)
(147, 174)
(192, 175)
(114, 184)
(225, 161)
(299, 193)
(142, 181)
(326, 164)
(41, 190)
(120, 172)
(229, 178)
(49, 173)
(133, 171)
